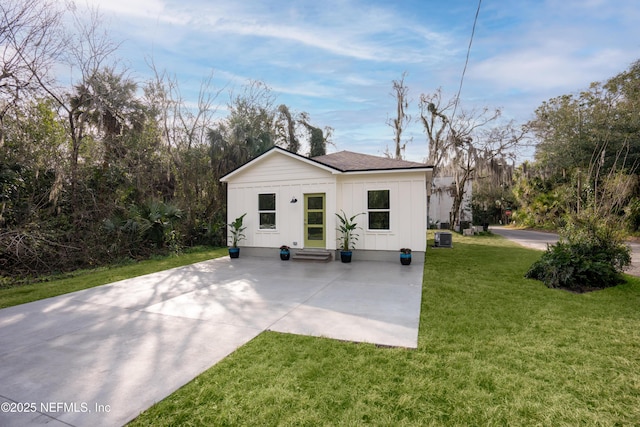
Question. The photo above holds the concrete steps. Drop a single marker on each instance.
(312, 255)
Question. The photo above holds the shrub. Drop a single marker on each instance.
(144, 228)
(591, 254)
(581, 266)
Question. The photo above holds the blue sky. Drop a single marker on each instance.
(336, 59)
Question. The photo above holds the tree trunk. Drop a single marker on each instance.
(75, 153)
(1, 130)
(458, 198)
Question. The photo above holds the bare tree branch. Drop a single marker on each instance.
(462, 145)
(30, 42)
(400, 92)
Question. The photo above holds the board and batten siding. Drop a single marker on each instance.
(289, 179)
(407, 216)
(277, 168)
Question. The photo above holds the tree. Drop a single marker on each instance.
(435, 124)
(30, 182)
(400, 93)
(581, 138)
(318, 138)
(572, 129)
(433, 115)
(286, 129)
(469, 158)
(86, 50)
(591, 143)
(30, 41)
(189, 178)
(251, 120)
(108, 100)
(463, 143)
(492, 190)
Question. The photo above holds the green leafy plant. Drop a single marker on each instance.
(347, 228)
(591, 255)
(237, 228)
(579, 267)
(151, 223)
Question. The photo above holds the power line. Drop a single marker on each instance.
(466, 62)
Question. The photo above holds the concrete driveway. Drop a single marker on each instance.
(101, 356)
(539, 240)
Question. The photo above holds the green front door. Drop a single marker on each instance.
(314, 221)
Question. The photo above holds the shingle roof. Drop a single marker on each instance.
(348, 161)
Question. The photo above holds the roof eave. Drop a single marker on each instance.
(271, 152)
(390, 170)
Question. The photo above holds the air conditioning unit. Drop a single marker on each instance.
(443, 240)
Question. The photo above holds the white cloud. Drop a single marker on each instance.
(141, 9)
(532, 70)
(335, 59)
(348, 29)
(310, 89)
(356, 43)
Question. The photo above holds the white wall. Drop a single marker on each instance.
(442, 201)
(291, 178)
(288, 178)
(407, 217)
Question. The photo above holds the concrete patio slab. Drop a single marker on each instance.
(101, 356)
(364, 311)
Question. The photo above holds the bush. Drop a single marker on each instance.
(581, 267)
(144, 229)
(591, 254)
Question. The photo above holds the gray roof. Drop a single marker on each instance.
(343, 161)
(348, 161)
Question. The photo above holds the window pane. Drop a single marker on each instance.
(315, 202)
(378, 220)
(267, 202)
(378, 199)
(314, 233)
(314, 218)
(268, 220)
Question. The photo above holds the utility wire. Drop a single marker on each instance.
(466, 62)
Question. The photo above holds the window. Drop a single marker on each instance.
(267, 211)
(378, 207)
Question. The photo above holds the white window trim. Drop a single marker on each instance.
(378, 230)
(274, 211)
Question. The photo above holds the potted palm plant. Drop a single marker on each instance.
(348, 236)
(236, 228)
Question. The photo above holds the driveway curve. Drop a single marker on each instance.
(540, 239)
(528, 238)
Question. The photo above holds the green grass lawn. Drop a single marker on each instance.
(494, 349)
(89, 278)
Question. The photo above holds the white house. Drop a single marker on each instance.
(291, 200)
(441, 200)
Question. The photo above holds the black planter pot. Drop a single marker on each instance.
(285, 255)
(234, 252)
(405, 259)
(345, 256)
